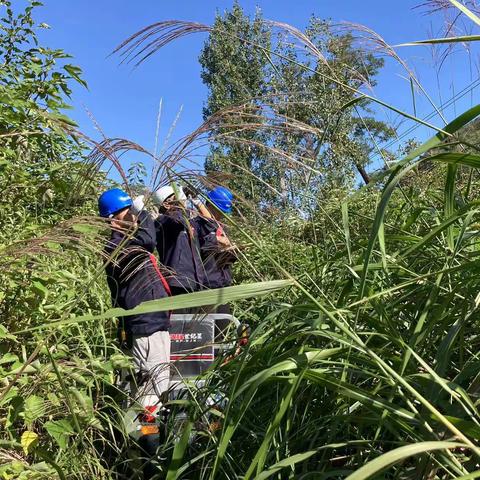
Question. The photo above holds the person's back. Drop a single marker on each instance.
(217, 257)
(177, 244)
(134, 277)
(217, 252)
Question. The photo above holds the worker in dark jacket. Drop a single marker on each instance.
(218, 254)
(217, 251)
(177, 242)
(133, 277)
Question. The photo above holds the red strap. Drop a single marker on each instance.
(220, 232)
(165, 284)
(148, 416)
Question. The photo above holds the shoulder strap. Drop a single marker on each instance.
(165, 284)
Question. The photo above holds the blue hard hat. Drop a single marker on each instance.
(112, 201)
(222, 198)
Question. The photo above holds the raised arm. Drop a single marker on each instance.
(202, 209)
(144, 235)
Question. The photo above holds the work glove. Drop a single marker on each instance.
(191, 194)
(181, 194)
(137, 205)
(190, 191)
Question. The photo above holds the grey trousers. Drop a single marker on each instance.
(151, 357)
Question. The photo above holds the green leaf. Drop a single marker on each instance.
(34, 409)
(467, 159)
(267, 443)
(349, 390)
(449, 207)
(8, 358)
(469, 476)
(59, 430)
(346, 230)
(75, 73)
(5, 335)
(431, 234)
(285, 463)
(469, 428)
(40, 288)
(28, 441)
(53, 398)
(398, 454)
(179, 451)
(296, 362)
(217, 296)
(15, 406)
(433, 41)
(83, 228)
(83, 400)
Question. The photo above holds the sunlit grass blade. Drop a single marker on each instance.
(387, 459)
(466, 11)
(346, 230)
(434, 232)
(449, 208)
(398, 173)
(258, 461)
(206, 297)
(179, 451)
(437, 41)
(470, 476)
(288, 462)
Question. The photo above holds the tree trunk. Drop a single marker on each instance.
(363, 173)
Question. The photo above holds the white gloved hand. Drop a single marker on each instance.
(137, 205)
(181, 195)
(196, 201)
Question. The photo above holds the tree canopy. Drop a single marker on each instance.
(260, 65)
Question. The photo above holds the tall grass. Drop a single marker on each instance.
(365, 363)
(372, 361)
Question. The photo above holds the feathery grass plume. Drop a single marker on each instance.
(112, 149)
(446, 6)
(243, 119)
(371, 39)
(70, 232)
(136, 42)
(302, 38)
(453, 15)
(141, 45)
(455, 25)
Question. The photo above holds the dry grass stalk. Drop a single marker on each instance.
(141, 45)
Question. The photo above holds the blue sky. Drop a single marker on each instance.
(125, 102)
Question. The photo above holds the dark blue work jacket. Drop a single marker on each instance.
(134, 277)
(216, 263)
(179, 251)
